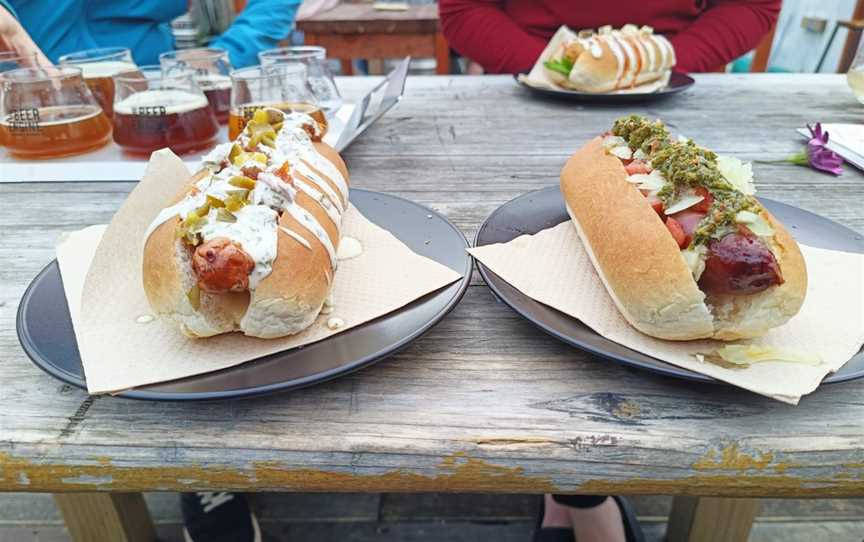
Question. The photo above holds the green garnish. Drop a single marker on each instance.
(224, 215)
(562, 65)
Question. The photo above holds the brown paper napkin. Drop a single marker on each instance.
(553, 268)
(121, 349)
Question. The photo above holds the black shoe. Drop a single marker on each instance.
(218, 517)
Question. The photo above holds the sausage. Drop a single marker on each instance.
(222, 266)
(739, 263)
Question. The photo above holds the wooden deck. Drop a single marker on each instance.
(431, 517)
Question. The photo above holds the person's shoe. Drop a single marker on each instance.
(218, 517)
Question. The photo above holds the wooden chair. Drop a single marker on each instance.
(351, 31)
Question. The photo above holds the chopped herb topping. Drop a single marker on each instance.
(684, 166)
(562, 65)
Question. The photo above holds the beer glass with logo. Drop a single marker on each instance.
(281, 86)
(49, 112)
(153, 111)
(212, 73)
(99, 67)
(11, 60)
(320, 78)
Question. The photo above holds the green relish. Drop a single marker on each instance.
(685, 165)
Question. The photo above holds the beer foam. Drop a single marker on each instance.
(48, 116)
(174, 101)
(109, 68)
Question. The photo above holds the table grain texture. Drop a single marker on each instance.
(484, 402)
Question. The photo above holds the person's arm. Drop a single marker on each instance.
(481, 31)
(13, 37)
(261, 25)
(723, 32)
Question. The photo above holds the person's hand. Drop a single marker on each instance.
(14, 38)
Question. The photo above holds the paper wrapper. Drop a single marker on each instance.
(539, 78)
(118, 352)
(553, 268)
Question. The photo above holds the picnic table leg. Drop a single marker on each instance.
(711, 519)
(442, 55)
(106, 517)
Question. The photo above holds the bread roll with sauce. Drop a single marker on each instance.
(610, 60)
(287, 225)
(648, 274)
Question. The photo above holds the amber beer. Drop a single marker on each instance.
(154, 119)
(99, 78)
(217, 88)
(241, 115)
(54, 131)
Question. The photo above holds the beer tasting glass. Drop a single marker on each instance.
(11, 60)
(212, 71)
(153, 111)
(48, 112)
(320, 78)
(99, 67)
(281, 86)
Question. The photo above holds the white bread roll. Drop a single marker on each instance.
(644, 271)
(290, 230)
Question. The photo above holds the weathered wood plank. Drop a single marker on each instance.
(484, 402)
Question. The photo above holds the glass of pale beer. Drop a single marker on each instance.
(153, 111)
(212, 71)
(319, 77)
(99, 66)
(281, 86)
(48, 112)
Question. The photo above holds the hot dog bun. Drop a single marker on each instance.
(285, 301)
(643, 270)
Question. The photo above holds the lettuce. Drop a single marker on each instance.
(562, 65)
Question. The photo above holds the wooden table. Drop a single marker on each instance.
(484, 402)
(358, 30)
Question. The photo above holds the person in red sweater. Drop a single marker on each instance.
(507, 36)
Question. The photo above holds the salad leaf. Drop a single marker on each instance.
(562, 65)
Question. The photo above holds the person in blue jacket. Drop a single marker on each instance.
(61, 27)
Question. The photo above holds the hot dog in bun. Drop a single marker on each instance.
(250, 244)
(683, 247)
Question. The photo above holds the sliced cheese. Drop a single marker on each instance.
(684, 203)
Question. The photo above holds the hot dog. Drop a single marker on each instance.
(250, 244)
(609, 59)
(683, 247)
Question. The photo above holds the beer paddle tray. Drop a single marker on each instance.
(160, 116)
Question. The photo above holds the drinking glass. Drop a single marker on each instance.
(99, 66)
(320, 78)
(282, 87)
(48, 112)
(212, 73)
(153, 111)
(11, 60)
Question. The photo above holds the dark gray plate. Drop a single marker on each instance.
(45, 329)
(536, 211)
(678, 82)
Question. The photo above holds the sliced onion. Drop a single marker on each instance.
(623, 152)
(755, 223)
(613, 141)
(684, 203)
(639, 154)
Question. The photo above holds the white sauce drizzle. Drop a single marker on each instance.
(349, 248)
(322, 201)
(619, 56)
(303, 169)
(631, 57)
(296, 236)
(309, 222)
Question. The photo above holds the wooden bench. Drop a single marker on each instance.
(351, 31)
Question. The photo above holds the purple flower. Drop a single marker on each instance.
(818, 155)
